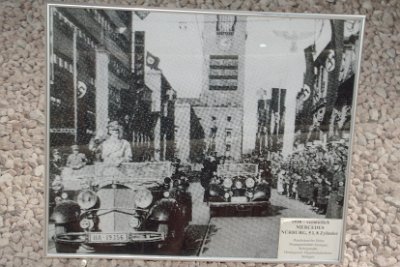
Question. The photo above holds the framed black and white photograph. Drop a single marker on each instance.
(199, 135)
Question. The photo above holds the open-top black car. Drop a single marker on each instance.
(136, 206)
(237, 189)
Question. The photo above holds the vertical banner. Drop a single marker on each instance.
(304, 99)
(277, 111)
(264, 125)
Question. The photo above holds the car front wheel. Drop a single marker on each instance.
(174, 239)
(62, 247)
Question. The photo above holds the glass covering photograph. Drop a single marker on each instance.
(199, 135)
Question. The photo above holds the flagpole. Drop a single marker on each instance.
(279, 109)
(74, 55)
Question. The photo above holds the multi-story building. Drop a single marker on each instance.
(189, 134)
(90, 77)
(182, 130)
(220, 107)
(154, 115)
(163, 114)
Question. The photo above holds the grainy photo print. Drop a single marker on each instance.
(191, 135)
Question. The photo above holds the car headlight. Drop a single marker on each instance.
(167, 182)
(57, 186)
(238, 184)
(250, 182)
(143, 198)
(86, 224)
(177, 182)
(85, 185)
(57, 200)
(87, 199)
(227, 183)
(134, 222)
(64, 195)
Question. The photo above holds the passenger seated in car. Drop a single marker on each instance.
(76, 160)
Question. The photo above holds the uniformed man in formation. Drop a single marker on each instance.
(315, 175)
(210, 166)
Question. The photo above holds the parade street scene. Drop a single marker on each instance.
(194, 134)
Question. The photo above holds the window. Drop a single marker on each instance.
(228, 136)
(213, 132)
(226, 24)
(228, 147)
(229, 118)
(223, 72)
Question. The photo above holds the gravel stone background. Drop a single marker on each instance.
(373, 233)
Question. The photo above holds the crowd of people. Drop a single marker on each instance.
(314, 175)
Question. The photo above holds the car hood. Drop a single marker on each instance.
(116, 208)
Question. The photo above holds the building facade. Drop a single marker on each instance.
(323, 109)
(90, 76)
(220, 107)
(189, 134)
(154, 114)
(182, 130)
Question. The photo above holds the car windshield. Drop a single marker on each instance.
(137, 173)
(227, 169)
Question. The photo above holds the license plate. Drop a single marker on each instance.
(108, 238)
(238, 199)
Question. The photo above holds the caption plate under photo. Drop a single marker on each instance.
(310, 239)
